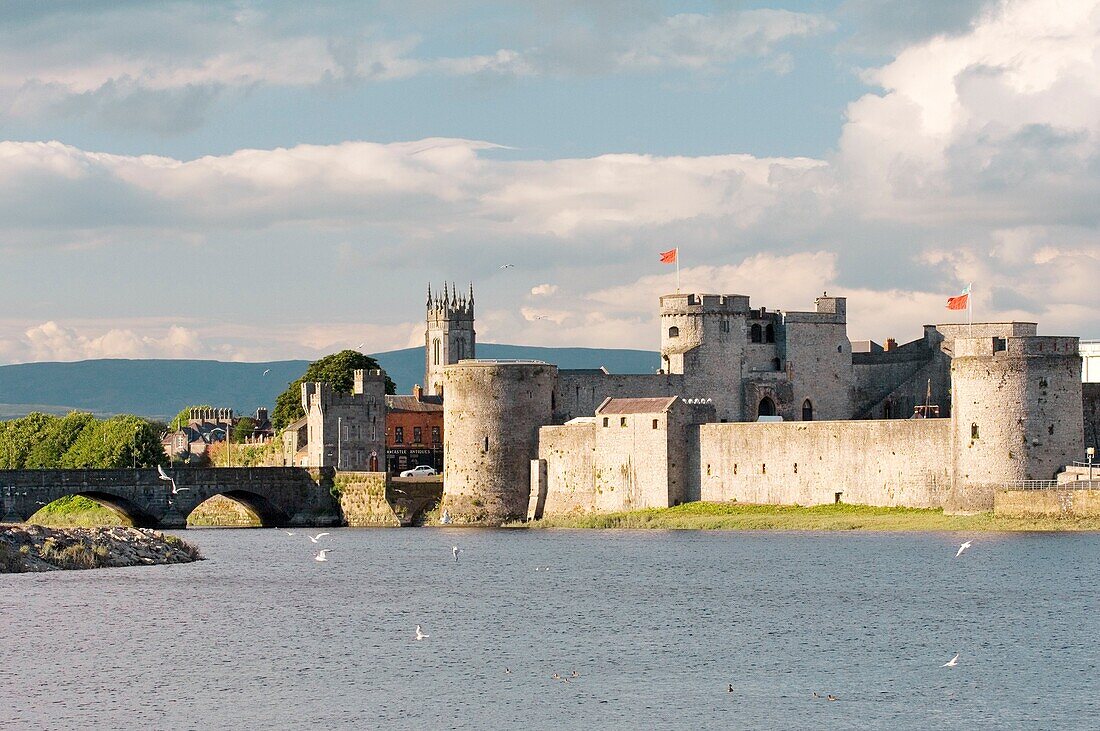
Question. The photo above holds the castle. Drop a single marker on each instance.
(755, 405)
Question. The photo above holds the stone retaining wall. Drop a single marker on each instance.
(1053, 503)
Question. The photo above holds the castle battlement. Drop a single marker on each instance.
(682, 304)
(1019, 347)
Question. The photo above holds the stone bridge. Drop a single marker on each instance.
(279, 496)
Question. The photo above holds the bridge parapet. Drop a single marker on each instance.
(289, 496)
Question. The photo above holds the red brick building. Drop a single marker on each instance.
(414, 431)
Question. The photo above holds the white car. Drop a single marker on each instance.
(421, 470)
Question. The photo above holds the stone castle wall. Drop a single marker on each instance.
(577, 393)
(1090, 401)
(1016, 406)
(491, 417)
(896, 462)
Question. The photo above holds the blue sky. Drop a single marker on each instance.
(267, 180)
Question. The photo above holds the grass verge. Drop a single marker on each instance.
(737, 516)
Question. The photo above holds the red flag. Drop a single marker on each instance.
(958, 303)
(669, 257)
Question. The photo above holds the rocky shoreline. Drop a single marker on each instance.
(27, 548)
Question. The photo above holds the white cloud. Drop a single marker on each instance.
(161, 67)
(976, 162)
(152, 338)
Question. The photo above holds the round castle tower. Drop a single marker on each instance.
(491, 418)
(1016, 413)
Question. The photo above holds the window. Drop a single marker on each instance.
(796, 468)
(654, 423)
(435, 435)
(437, 348)
(756, 335)
(485, 447)
(769, 334)
(840, 348)
(605, 421)
(999, 345)
(674, 332)
(807, 411)
(763, 469)
(399, 435)
(418, 435)
(777, 365)
(622, 421)
(460, 349)
(973, 431)
(724, 326)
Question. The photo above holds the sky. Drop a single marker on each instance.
(260, 181)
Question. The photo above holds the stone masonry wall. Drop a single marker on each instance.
(579, 392)
(902, 462)
(1046, 503)
(1090, 399)
(363, 499)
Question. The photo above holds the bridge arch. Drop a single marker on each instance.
(124, 509)
(266, 512)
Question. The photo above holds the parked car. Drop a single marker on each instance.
(421, 470)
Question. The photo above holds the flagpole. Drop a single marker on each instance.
(677, 270)
(970, 310)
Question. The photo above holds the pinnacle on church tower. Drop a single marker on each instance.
(449, 333)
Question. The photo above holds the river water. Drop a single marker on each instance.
(656, 624)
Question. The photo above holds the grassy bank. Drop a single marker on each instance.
(76, 510)
(734, 516)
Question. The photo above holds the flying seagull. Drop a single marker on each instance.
(289, 533)
(266, 372)
(507, 266)
(162, 475)
(455, 551)
(420, 633)
(314, 538)
(962, 548)
(952, 662)
(322, 555)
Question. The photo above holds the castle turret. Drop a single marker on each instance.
(491, 419)
(1016, 413)
(448, 334)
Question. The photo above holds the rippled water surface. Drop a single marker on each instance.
(656, 624)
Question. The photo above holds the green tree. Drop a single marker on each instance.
(27, 440)
(337, 369)
(53, 441)
(243, 428)
(117, 443)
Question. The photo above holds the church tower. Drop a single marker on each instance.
(448, 334)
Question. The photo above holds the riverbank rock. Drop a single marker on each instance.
(40, 548)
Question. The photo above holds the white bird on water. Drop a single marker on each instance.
(314, 538)
(455, 551)
(322, 555)
(962, 548)
(420, 633)
(266, 372)
(952, 662)
(289, 533)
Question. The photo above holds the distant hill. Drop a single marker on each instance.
(160, 388)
